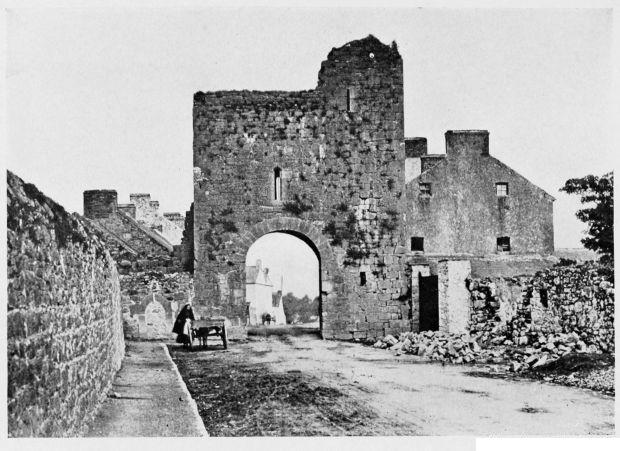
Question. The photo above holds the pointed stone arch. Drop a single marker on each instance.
(225, 276)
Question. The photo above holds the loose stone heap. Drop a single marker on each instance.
(462, 348)
(64, 332)
(455, 348)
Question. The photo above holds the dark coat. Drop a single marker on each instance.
(186, 312)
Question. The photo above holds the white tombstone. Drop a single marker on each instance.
(155, 320)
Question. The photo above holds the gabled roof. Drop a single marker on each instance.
(435, 168)
(112, 235)
(257, 275)
(151, 234)
(515, 173)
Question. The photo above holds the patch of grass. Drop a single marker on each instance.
(573, 362)
(237, 398)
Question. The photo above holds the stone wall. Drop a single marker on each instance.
(151, 301)
(100, 203)
(128, 209)
(418, 269)
(187, 242)
(134, 247)
(145, 210)
(337, 152)
(563, 299)
(176, 218)
(454, 297)
(64, 331)
(168, 229)
(147, 214)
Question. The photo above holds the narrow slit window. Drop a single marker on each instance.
(501, 189)
(425, 189)
(544, 297)
(503, 244)
(362, 278)
(350, 100)
(277, 184)
(417, 244)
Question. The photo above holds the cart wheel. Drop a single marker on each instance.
(224, 337)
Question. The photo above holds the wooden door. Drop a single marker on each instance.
(429, 303)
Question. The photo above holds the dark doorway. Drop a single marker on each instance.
(429, 303)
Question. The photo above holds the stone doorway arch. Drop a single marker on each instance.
(312, 236)
(222, 291)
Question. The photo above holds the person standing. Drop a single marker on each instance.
(183, 324)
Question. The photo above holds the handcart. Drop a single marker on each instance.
(209, 327)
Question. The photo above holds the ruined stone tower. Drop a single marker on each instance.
(324, 165)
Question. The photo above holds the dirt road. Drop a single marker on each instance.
(306, 386)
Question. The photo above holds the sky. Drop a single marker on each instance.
(293, 265)
(101, 98)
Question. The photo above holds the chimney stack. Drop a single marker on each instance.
(100, 203)
(415, 149)
(474, 142)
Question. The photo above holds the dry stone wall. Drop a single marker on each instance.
(560, 300)
(64, 331)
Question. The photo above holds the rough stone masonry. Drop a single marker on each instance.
(64, 331)
(330, 166)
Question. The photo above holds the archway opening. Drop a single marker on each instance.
(283, 286)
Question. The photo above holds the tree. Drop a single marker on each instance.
(599, 215)
(299, 310)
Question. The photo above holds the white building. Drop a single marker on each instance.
(261, 297)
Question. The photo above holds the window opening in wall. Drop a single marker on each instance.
(277, 184)
(544, 297)
(425, 189)
(362, 278)
(417, 244)
(350, 100)
(503, 244)
(501, 189)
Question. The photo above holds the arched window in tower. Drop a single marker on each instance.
(277, 184)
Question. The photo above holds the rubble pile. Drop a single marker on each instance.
(455, 348)
(462, 348)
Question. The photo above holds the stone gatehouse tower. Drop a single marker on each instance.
(326, 165)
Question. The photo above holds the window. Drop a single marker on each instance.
(544, 297)
(425, 189)
(417, 244)
(362, 278)
(277, 184)
(503, 244)
(501, 189)
(350, 100)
